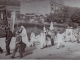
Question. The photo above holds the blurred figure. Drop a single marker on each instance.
(60, 38)
(52, 37)
(18, 45)
(42, 40)
(48, 37)
(8, 40)
(24, 36)
(32, 38)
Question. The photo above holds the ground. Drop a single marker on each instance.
(70, 51)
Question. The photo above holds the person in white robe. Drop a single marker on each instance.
(32, 38)
(24, 36)
(60, 38)
(42, 40)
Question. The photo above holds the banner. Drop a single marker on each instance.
(69, 34)
(13, 18)
(51, 26)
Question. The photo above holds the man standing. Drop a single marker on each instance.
(18, 45)
(8, 40)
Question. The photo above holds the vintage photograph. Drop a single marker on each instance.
(39, 29)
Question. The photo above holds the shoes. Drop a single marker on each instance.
(20, 56)
(7, 54)
(12, 57)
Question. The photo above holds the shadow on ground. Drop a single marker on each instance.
(29, 50)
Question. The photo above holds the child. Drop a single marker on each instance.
(18, 46)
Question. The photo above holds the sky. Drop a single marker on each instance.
(72, 3)
(38, 6)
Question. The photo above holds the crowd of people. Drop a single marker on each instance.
(49, 37)
(20, 43)
(46, 38)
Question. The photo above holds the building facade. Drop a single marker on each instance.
(41, 7)
(10, 6)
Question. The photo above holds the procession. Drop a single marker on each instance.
(47, 38)
(39, 29)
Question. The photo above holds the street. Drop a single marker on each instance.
(71, 50)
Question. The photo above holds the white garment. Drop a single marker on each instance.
(32, 38)
(59, 39)
(42, 40)
(44, 29)
(25, 37)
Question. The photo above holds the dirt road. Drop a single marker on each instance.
(71, 50)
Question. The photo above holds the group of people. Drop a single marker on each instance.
(20, 43)
(50, 37)
(46, 39)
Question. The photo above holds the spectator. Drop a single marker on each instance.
(8, 40)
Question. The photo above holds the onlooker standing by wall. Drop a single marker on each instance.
(8, 40)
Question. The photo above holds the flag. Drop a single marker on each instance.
(13, 17)
(44, 29)
(51, 26)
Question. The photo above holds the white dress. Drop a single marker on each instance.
(59, 39)
(32, 38)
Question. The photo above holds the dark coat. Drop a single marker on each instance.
(8, 35)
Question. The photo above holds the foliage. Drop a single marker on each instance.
(59, 16)
(76, 16)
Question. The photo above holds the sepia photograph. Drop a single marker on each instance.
(40, 29)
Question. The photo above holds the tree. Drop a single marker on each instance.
(76, 16)
(60, 15)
